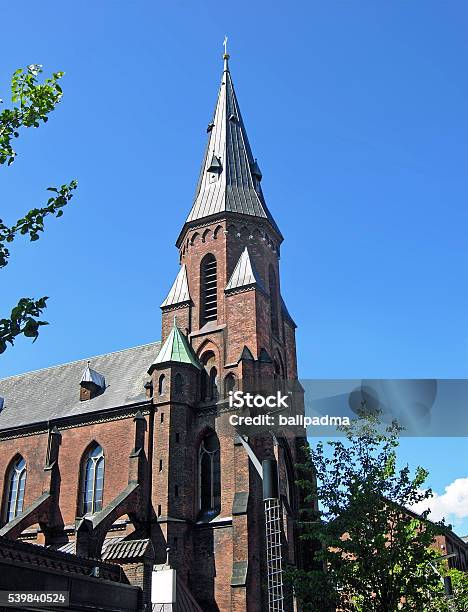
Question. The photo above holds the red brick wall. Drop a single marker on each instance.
(182, 316)
(117, 439)
(33, 450)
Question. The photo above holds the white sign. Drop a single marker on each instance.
(163, 586)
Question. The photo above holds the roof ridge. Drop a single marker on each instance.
(60, 365)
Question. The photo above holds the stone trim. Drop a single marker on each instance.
(239, 573)
(117, 414)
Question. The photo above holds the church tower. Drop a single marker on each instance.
(225, 327)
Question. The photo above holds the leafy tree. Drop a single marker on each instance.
(33, 101)
(439, 602)
(374, 554)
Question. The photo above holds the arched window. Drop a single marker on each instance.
(93, 480)
(179, 384)
(287, 485)
(209, 379)
(208, 290)
(209, 476)
(162, 385)
(273, 301)
(229, 384)
(16, 482)
(287, 474)
(279, 375)
(213, 384)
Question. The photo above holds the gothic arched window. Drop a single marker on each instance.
(209, 379)
(273, 301)
(213, 384)
(179, 384)
(208, 289)
(93, 480)
(209, 476)
(16, 481)
(229, 384)
(162, 385)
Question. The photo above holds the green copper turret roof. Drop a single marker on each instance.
(176, 349)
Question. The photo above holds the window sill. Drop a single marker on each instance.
(209, 328)
(216, 521)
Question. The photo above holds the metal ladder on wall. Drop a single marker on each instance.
(274, 555)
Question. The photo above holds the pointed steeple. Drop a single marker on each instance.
(230, 176)
(177, 349)
(179, 292)
(245, 274)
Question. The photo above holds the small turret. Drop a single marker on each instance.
(92, 384)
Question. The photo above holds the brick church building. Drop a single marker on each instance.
(127, 461)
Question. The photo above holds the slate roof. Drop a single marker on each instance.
(51, 393)
(244, 274)
(60, 560)
(127, 549)
(234, 185)
(179, 292)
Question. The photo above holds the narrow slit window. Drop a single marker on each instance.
(273, 301)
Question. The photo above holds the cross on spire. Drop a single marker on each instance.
(226, 55)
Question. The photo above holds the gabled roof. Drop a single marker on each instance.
(230, 177)
(179, 292)
(52, 393)
(177, 349)
(245, 274)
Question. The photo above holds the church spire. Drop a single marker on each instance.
(230, 176)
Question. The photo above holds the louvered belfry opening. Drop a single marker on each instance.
(209, 289)
(273, 301)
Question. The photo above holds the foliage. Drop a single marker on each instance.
(33, 102)
(375, 552)
(439, 602)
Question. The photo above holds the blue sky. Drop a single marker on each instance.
(357, 114)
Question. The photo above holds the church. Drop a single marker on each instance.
(122, 469)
